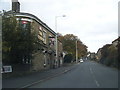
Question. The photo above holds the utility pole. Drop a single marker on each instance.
(76, 52)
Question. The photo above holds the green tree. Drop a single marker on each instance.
(17, 41)
(104, 53)
(69, 45)
(112, 58)
(109, 55)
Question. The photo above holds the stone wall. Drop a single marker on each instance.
(40, 61)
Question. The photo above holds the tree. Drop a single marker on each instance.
(104, 53)
(69, 45)
(17, 42)
(109, 55)
(8, 32)
(112, 56)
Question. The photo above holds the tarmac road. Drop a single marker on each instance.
(88, 74)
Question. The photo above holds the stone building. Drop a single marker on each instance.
(99, 54)
(60, 53)
(116, 42)
(43, 57)
(92, 56)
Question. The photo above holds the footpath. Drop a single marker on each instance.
(34, 78)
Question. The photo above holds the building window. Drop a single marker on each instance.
(40, 38)
(40, 33)
(40, 27)
(25, 25)
(44, 37)
(51, 40)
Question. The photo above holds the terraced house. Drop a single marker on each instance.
(44, 55)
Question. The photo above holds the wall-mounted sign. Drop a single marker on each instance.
(24, 19)
(6, 69)
(24, 22)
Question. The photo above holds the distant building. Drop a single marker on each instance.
(116, 41)
(92, 56)
(99, 54)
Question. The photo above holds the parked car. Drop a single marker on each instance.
(81, 60)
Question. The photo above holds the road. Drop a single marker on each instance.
(88, 74)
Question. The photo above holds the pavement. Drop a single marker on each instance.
(34, 78)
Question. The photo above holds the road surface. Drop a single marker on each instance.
(88, 74)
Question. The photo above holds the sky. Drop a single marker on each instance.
(95, 22)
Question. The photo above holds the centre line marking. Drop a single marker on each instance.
(96, 82)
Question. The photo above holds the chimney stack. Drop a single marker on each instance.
(15, 6)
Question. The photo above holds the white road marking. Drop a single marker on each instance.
(91, 70)
(96, 82)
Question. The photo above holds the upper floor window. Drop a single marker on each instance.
(40, 33)
(44, 37)
(40, 28)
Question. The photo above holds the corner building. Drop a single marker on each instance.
(43, 56)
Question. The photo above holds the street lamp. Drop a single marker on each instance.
(57, 38)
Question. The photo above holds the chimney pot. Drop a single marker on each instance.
(15, 6)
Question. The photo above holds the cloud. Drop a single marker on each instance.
(5, 5)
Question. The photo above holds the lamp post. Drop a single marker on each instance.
(76, 52)
(76, 49)
(56, 60)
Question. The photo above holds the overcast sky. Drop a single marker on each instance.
(95, 22)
